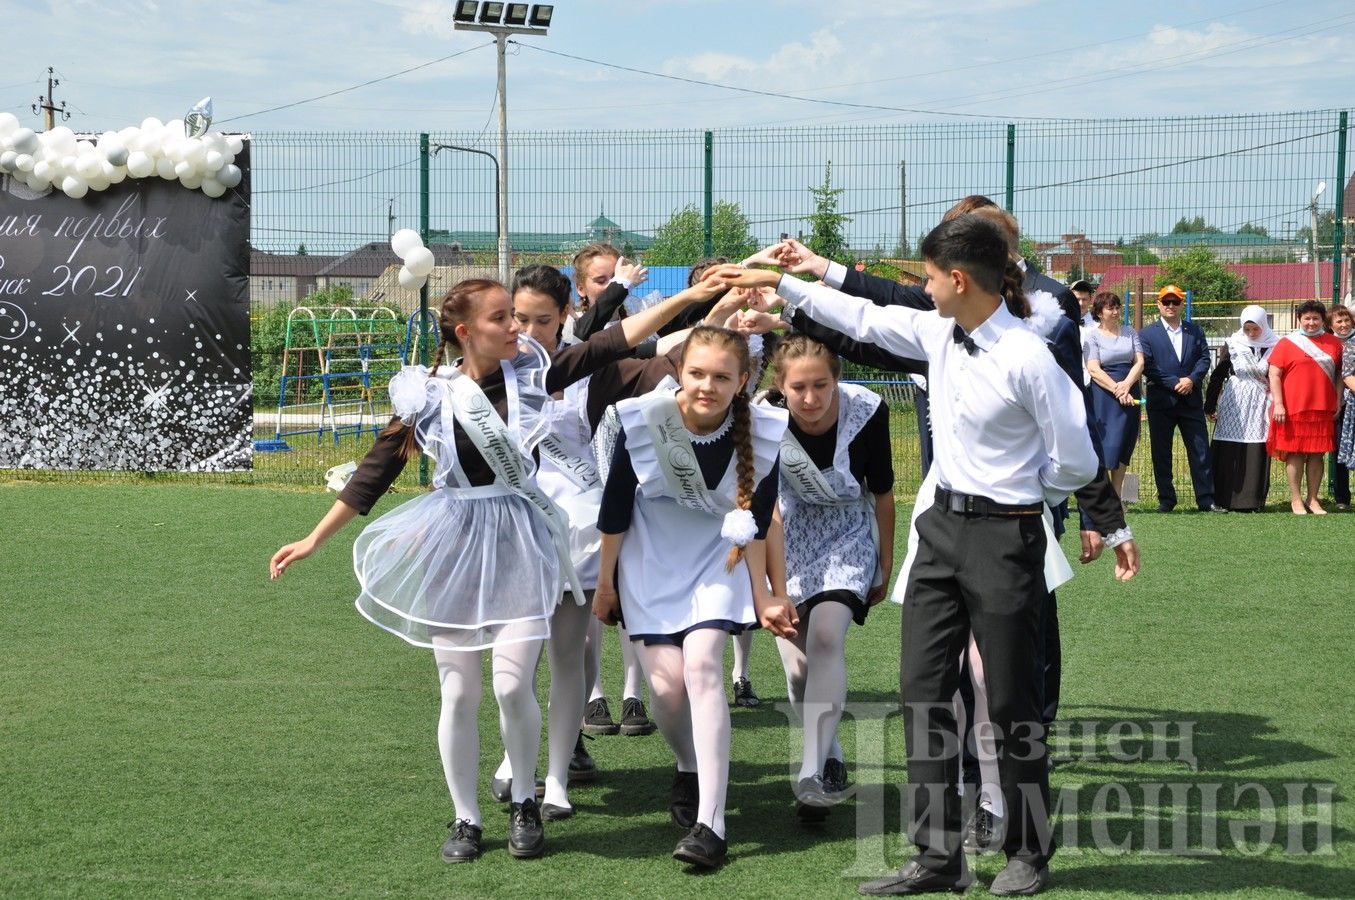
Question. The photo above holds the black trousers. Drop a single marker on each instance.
(983, 574)
(1162, 425)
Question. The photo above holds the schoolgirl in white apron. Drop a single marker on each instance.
(837, 509)
(567, 473)
(479, 562)
(693, 471)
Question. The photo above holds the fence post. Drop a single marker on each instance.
(1190, 296)
(1338, 232)
(423, 291)
(707, 235)
(1011, 166)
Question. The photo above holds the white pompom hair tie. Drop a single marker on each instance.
(739, 527)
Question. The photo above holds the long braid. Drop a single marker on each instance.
(741, 433)
(1012, 291)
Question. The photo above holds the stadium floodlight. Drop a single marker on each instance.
(502, 20)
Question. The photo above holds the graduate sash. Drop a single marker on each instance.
(491, 437)
(676, 457)
(1319, 356)
(579, 469)
(804, 477)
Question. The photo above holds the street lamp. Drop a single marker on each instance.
(1317, 264)
(501, 20)
(498, 219)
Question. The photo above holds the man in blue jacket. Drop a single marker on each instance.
(1175, 362)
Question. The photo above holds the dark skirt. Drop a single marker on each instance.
(1241, 475)
(1117, 424)
(846, 598)
(676, 638)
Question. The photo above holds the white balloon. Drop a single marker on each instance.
(405, 240)
(419, 261)
(118, 176)
(23, 140)
(126, 135)
(174, 128)
(139, 164)
(213, 188)
(8, 122)
(236, 144)
(152, 124)
(229, 176)
(24, 162)
(98, 183)
(192, 181)
(213, 160)
(83, 148)
(165, 169)
(42, 168)
(67, 164)
(7, 159)
(87, 166)
(409, 281)
(195, 152)
(74, 187)
(185, 169)
(114, 150)
(63, 137)
(37, 184)
(172, 150)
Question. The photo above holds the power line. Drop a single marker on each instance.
(311, 187)
(432, 62)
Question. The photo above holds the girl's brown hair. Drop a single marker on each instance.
(742, 431)
(457, 307)
(799, 346)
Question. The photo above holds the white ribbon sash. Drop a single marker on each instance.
(580, 470)
(1319, 356)
(677, 459)
(804, 477)
(487, 431)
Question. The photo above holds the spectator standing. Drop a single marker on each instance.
(1303, 378)
(1115, 363)
(1342, 323)
(1239, 401)
(1175, 362)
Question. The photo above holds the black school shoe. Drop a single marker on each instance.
(985, 833)
(582, 768)
(701, 847)
(634, 721)
(597, 718)
(916, 878)
(683, 799)
(835, 776)
(463, 844)
(501, 789)
(526, 835)
(744, 695)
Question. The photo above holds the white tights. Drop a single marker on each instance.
(816, 682)
(459, 675)
(981, 739)
(593, 663)
(687, 702)
(743, 645)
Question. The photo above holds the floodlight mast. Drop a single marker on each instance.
(502, 20)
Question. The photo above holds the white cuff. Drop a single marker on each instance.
(621, 281)
(836, 275)
(1117, 537)
(793, 291)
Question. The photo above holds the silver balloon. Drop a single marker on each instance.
(198, 119)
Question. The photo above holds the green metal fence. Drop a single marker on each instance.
(1115, 200)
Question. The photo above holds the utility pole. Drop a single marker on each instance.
(903, 209)
(48, 105)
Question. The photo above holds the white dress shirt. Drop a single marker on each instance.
(1174, 335)
(1007, 423)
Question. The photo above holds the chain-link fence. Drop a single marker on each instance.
(1224, 206)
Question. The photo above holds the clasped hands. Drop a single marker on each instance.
(754, 290)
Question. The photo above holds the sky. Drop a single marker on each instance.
(120, 62)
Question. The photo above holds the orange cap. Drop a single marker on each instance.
(1170, 290)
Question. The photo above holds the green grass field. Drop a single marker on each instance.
(173, 725)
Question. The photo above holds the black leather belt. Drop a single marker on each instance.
(969, 505)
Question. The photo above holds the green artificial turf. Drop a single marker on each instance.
(174, 725)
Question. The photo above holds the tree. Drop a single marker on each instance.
(1192, 226)
(1326, 233)
(1134, 251)
(1216, 293)
(681, 240)
(301, 250)
(1249, 228)
(826, 235)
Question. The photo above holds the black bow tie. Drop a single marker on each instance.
(961, 338)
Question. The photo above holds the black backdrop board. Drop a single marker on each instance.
(124, 328)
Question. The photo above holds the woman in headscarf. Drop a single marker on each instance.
(1304, 371)
(1238, 399)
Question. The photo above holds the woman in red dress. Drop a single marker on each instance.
(1303, 373)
